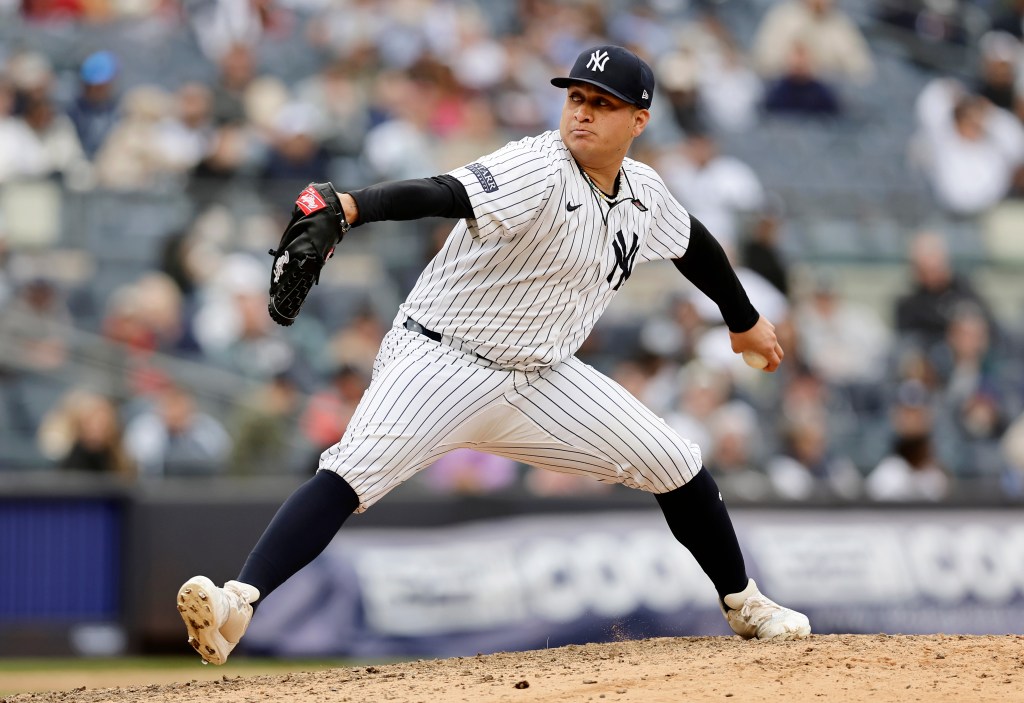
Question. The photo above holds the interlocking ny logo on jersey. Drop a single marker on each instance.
(623, 258)
(597, 60)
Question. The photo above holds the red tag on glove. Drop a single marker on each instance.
(310, 200)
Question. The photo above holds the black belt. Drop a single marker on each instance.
(414, 326)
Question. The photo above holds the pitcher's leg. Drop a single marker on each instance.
(575, 419)
(408, 418)
(216, 618)
(302, 528)
(592, 425)
(582, 416)
(697, 517)
(417, 402)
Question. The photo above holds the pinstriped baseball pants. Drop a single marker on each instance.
(427, 398)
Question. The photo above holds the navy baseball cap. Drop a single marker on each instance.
(614, 69)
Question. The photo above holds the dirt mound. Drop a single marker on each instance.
(847, 668)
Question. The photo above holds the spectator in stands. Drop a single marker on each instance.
(132, 157)
(336, 94)
(174, 437)
(124, 323)
(808, 467)
(803, 394)
(261, 429)
(968, 440)
(968, 360)
(232, 327)
(185, 134)
(833, 42)
(235, 145)
(295, 155)
(22, 155)
(735, 451)
(148, 315)
(674, 333)
(923, 313)
(1000, 56)
(218, 26)
(95, 110)
(730, 91)
(520, 100)
(236, 72)
(56, 139)
(971, 155)
(910, 472)
(477, 133)
(718, 189)
(31, 73)
(479, 61)
(401, 146)
(678, 80)
(799, 90)
(703, 389)
(50, 146)
(975, 409)
(845, 343)
(83, 433)
(36, 326)
(761, 250)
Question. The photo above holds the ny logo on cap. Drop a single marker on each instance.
(597, 60)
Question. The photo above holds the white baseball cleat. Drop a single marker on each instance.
(752, 614)
(216, 618)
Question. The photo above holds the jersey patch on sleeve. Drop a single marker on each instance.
(483, 175)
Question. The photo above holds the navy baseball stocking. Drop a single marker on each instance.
(301, 529)
(697, 517)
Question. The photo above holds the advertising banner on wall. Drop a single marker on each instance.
(532, 582)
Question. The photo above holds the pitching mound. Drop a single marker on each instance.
(845, 668)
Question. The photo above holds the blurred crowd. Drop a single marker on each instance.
(151, 355)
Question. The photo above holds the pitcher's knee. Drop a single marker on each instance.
(672, 470)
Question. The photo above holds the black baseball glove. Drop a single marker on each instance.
(317, 225)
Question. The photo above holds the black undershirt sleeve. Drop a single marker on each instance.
(706, 266)
(439, 196)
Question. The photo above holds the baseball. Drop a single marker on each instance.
(754, 360)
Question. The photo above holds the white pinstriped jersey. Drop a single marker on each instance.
(524, 282)
(521, 284)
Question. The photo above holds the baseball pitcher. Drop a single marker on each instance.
(481, 353)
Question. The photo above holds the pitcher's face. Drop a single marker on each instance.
(598, 127)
